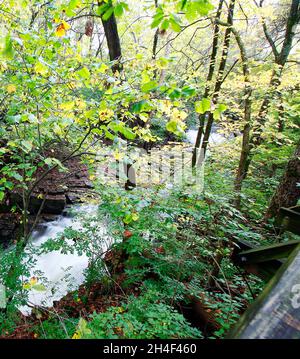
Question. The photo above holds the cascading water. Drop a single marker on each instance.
(60, 273)
(214, 139)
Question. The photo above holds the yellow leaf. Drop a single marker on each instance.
(60, 31)
(67, 106)
(76, 335)
(120, 309)
(82, 329)
(103, 68)
(118, 155)
(11, 88)
(81, 105)
(33, 280)
(62, 28)
(106, 114)
(66, 25)
(41, 69)
(135, 216)
(26, 285)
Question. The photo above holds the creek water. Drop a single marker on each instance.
(214, 139)
(59, 273)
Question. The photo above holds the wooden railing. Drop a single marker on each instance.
(275, 314)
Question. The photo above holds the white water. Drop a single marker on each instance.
(214, 139)
(61, 273)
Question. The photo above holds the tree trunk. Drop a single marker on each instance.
(219, 81)
(288, 190)
(208, 80)
(115, 54)
(280, 60)
(156, 35)
(113, 42)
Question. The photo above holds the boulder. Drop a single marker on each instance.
(54, 192)
(8, 228)
(53, 204)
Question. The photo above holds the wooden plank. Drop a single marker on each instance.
(267, 253)
(289, 219)
(264, 270)
(276, 312)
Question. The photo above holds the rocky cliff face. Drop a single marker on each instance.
(51, 195)
(9, 224)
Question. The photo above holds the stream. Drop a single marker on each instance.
(60, 273)
(214, 139)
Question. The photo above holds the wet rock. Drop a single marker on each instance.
(54, 192)
(59, 188)
(49, 217)
(8, 228)
(53, 204)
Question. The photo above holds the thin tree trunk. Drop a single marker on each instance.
(219, 82)
(210, 75)
(247, 111)
(281, 119)
(281, 58)
(156, 35)
(115, 54)
(113, 41)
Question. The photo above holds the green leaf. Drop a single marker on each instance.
(16, 176)
(171, 126)
(125, 6)
(102, 9)
(108, 13)
(27, 145)
(84, 73)
(156, 22)
(202, 106)
(183, 3)
(8, 51)
(222, 107)
(198, 8)
(73, 4)
(158, 17)
(165, 24)
(188, 91)
(127, 132)
(141, 106)
(175, 94)
(39, 287)
(218, 111)
(128, 218)
(119, 10)
(2, 195)
(149, 86)
(175, 25)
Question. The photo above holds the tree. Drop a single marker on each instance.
(112, 37)
(206, 130)
(209, 78)
(287, 193)
(255, 139)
